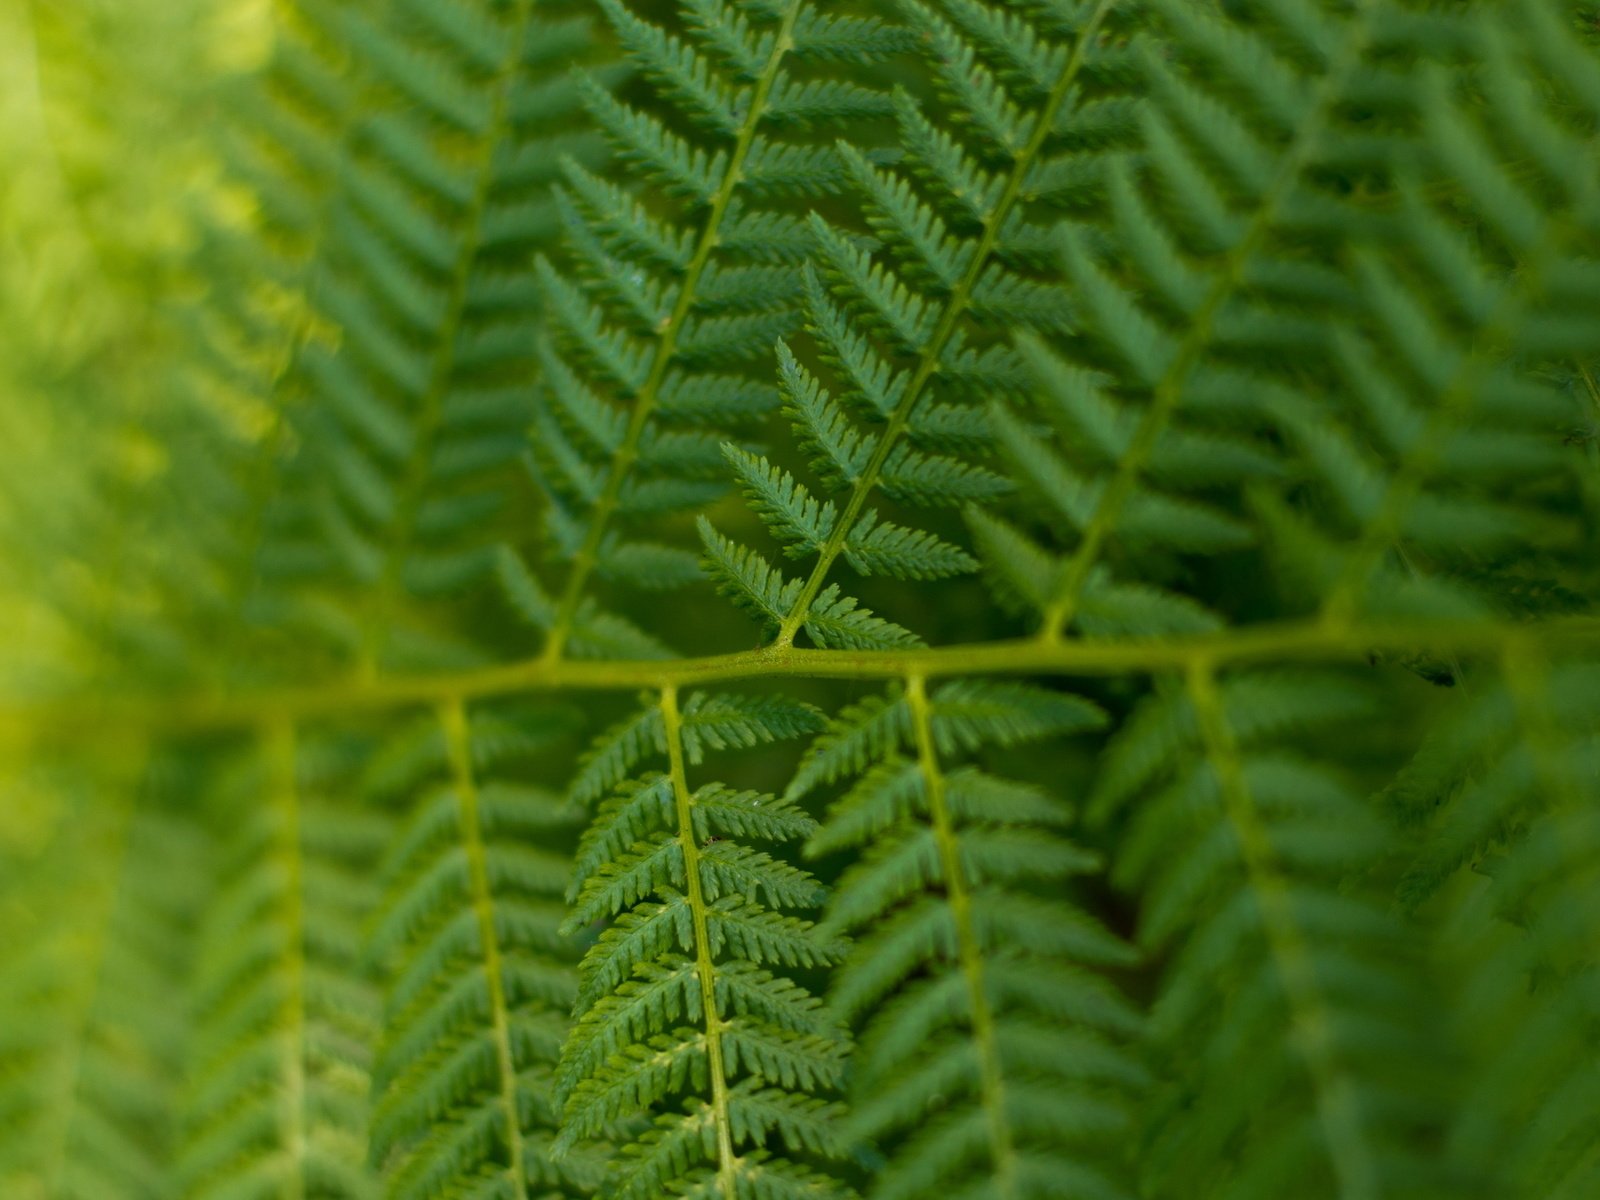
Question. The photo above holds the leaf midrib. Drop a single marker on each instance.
(705, 966)
(969, 947)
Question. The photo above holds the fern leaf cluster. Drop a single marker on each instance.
(1155, 442)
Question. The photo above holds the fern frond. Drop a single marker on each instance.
(479, 981)
(286, 1017)
(661, 313)
(1253, 860)
(1249, 350)
(678, 1015)
(893, 326)
(414, 405)
(990, 1055)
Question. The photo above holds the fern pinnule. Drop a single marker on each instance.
(991, 1056)
(706, 721)
(660, 313)
(680, 1013)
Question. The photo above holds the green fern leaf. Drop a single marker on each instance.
(287, 1017)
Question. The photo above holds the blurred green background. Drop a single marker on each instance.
(108, 177)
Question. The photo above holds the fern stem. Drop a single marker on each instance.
(458, 746)
(1338, 1107)
(667, 334)
(969, 950)
(1168, 391)
(705, 968)
(375, 628)
(1288, 641)
(955, 308)
(281, 754)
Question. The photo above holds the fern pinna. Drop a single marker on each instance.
(91, 1042)
(479, 978)
(992, 1055)
(678, 1015)
(1204, 394)
(286, 1014)
(1245, 849)
(406, 388)
(660, 313)
(1503, 795)
(911, 334)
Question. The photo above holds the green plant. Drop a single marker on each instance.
(762, 598)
